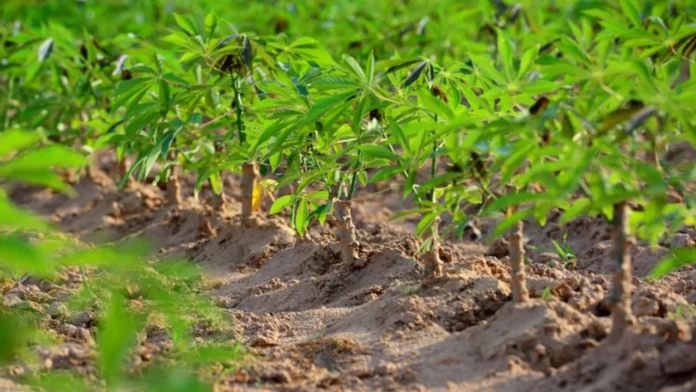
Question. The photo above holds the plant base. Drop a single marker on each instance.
(173, 189)
(431, 259)
(518, 282)
(345, 234)
(620, 296)
(218, 201)
(432, 262)
(205, 228)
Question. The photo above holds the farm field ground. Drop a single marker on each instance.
(311, 323)
(348, 195)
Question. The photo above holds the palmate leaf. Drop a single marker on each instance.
(619, 115)
(45, 50)
(385, 174)
(14, 218)
(426, 222)
(273, 130)
(487, 69)
(182, 40)
(329, 82)
(527, 62)
(510, 200)
(309, 49)
(247, 52)
(510, 221)
(211, 23)
(687, 45)
(403, 214)
(14, 140)
(216, 182)
(415, 74)
(302, 217)
(355, 68)
(378, 152)
(678, 258)
(41, 177)
(36, 166)
(187, 24)
(435, 105)
(321, 212)
(400, 136)
(437, 181)
(395, 65)
(225, 41)
(370, 68)
(630, 10)
(20, 255)
(505, 53)
(281, 203)
(322, 106)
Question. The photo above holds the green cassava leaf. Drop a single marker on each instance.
(322, 106)
(678, 258)
(415, 73)
(377, 151)
(45, 50)
(14, 140)
(281, 203)
(187, 24)
(302, 217)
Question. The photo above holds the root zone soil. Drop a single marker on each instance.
(312, 322)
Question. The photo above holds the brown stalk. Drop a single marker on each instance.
(620, 295)
(431, 259)
(173, 185)
(345, 234)
(518, 283)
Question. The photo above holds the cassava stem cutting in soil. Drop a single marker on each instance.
(620, 296)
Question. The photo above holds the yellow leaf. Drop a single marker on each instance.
(257, 197)
(261, 188)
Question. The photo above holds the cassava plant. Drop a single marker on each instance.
(475, 108)
(333, 147)
(622, 152)
(209, 106)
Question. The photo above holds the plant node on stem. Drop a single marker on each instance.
(516, 250)
(620, 296)
(345, 234)
(431, 259)
(250, 173)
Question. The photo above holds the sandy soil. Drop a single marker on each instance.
(314, 324)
